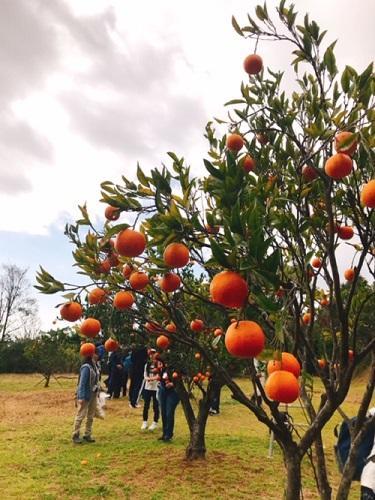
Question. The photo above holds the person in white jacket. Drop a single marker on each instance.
(368, 472)
(150, 392)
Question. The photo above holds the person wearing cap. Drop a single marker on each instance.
(150, 392)
(86, 398)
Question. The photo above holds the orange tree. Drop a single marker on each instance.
(288, 192)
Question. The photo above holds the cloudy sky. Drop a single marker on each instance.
(90, 87)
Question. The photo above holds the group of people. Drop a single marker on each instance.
(150, 379)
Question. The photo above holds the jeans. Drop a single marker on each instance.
(168, 400)
(147, 395)
(215, 397)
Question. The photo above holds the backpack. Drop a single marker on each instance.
(128, 363)
(342, 447)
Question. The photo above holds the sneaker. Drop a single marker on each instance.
(76, 439)
(153, 426)
(88, 439)
(144, 426)
(212, 412)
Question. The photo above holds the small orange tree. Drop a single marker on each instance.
(275, 210)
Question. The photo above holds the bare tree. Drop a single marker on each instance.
(18, 309)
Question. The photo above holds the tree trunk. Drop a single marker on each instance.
(324, 487)
(293, 468)
(197, 444)
(47, 378)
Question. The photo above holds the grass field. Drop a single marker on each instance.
(38, 460)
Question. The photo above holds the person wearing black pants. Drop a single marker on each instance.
(115, 374)
(139, 358)
(215, 397)
(168, 401)
(150, 392)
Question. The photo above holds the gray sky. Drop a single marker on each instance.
(89, 87)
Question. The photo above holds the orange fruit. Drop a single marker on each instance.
(338, 166)
(309, 173)
(87, 349)
(306, 318)
(176, 255)
(90, 327)
(218, 332)
(235, 142)
(71, 311)
(170, 282)
(163, 342)
(171, 327)
(104, 267)
(245, 339)
(340, 138)
(197, 325)
(112, 213)
(349, 274)
(316, 262)
(111, 345)
(127, 270)
(282, 386)
(197, 355)
(368, 194)
(253, 64)
(196, 379)
(138, 280)
(248, 164)
(229, 289)
(288, 363)
(350, 355)
(322, 363)
(123, 300)
(345, 232)
(324, 302)
(130, 243)
(97, 296)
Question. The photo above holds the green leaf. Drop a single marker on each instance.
(141, 176)
(115, 230)
(235, 101)
(236, 26)
(219, 254)
(261, 14)
(365, 77)
(215, 172)
(330, 60)
(345, 80)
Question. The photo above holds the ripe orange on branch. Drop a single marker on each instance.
(123, 300)
(71, 311)
(197, 325)
(343, 137)
(130, 243)
(170, 282)
(112, 213)
(253, 64)
(288, 363)
(248, 163)
(245, 339)
(87, 349)
(316, 262)
(345, 232)
(309, 173)
(176, 255)
(138, 280)
(235, 142)
(338, 166)
(349, 274)
(368, 194)
(163, 342)
(282, 386)
(90, 327)
(229, 289)
(111, 345)
(97, 296)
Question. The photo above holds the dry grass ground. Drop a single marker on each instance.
(38, 460)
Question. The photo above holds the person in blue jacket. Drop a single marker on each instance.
(87, 396)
